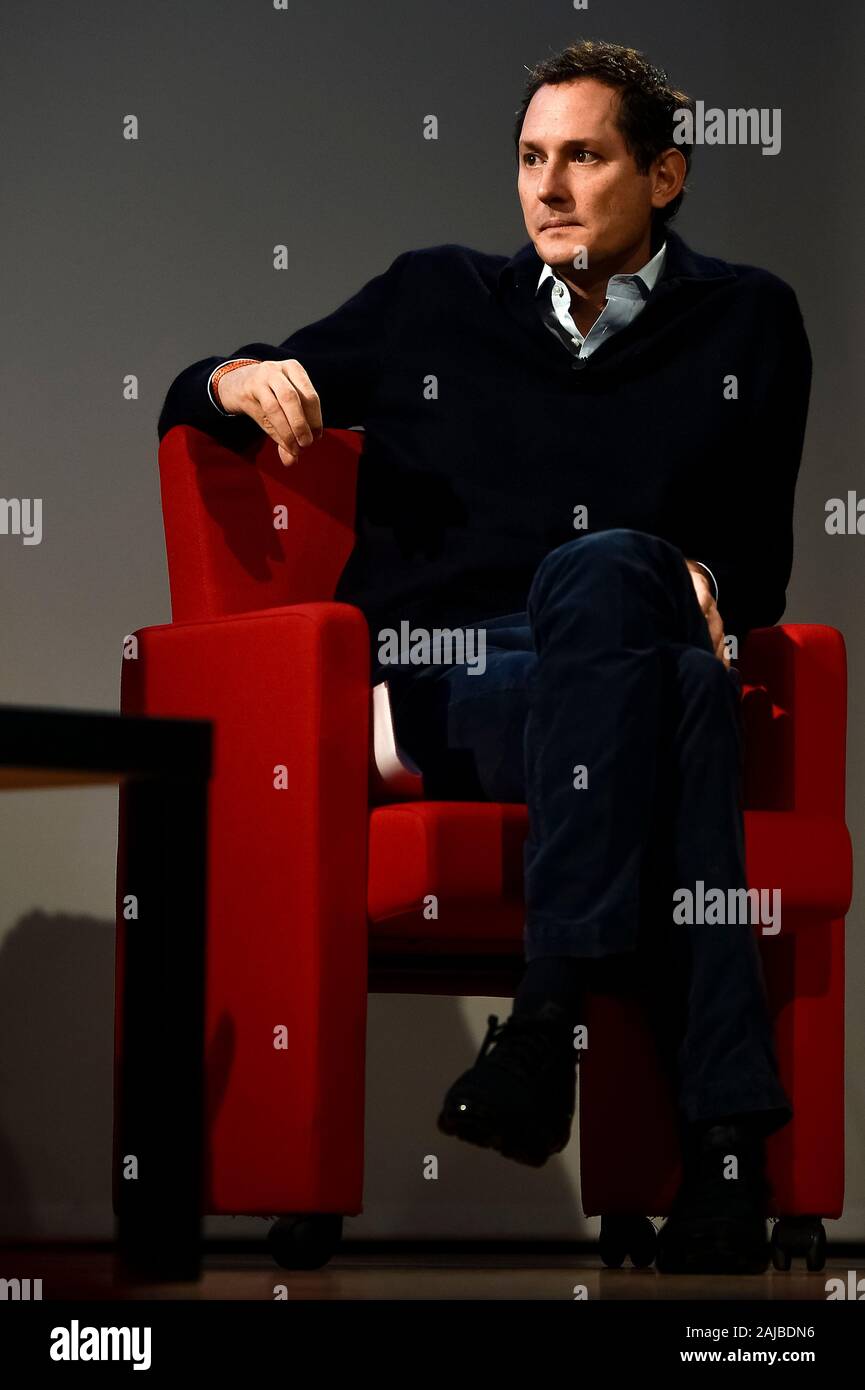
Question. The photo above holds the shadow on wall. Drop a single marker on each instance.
(56, 1077)
(56, 1090)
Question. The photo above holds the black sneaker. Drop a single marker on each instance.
(717, 1225)
(519, 1097)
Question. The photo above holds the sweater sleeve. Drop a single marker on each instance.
(751, 550)
(343, 354)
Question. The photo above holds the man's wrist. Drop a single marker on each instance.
(212, 392)
(704, 569)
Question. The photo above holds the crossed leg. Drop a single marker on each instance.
(605, 710)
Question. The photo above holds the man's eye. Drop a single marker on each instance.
(578, 155)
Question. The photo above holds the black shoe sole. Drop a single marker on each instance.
(485, 1133)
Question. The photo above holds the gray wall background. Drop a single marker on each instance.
(303, 126)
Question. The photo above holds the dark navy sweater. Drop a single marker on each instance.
(483, 433)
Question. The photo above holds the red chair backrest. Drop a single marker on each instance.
(243, 532)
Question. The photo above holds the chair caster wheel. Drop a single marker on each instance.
(798, 1235)
(304, 1242)
(627, 1235)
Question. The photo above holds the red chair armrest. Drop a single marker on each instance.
(287, 690)
(795, 712)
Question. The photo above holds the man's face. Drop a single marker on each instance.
(578, 184)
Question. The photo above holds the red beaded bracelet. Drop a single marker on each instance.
(227, 367)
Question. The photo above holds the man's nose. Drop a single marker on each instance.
(552, 185)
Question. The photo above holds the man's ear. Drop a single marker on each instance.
(670, 169)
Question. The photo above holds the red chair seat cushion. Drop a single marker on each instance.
(448, 875)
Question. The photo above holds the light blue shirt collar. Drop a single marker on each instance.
(645, 277)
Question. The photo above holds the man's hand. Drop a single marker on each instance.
(710, 611)
(280, 398)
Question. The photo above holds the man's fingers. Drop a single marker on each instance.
(297, 374)
(273, 420)
(288, 452)
(286, 406)
(292, 406)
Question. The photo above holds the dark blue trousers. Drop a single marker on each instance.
(605, 710)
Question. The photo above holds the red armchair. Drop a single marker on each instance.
(317, 893)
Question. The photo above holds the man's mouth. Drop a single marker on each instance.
(552, 226)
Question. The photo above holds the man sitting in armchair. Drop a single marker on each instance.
(583, 459)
